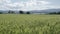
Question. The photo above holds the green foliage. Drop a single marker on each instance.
(29, 24)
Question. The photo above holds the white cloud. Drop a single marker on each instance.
(28, 5)
(35, 5)
(5, 1)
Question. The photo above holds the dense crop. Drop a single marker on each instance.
(29, 24)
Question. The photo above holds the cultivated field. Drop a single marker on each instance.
(29, 24)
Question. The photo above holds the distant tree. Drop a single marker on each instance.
(11, 12)
(21, 12)
(8, 11)
(27, 12)
(53, 13)
(58, 12)
(0, 12)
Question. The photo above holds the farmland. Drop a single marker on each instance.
(29, 24)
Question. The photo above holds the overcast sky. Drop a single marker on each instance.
(29, 4)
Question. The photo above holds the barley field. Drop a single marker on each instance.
(29, 24)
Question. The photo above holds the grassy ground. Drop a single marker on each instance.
(29, 24)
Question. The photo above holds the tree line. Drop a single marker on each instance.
(54, 12)
(20, 12)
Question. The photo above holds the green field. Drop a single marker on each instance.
(29, 24)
